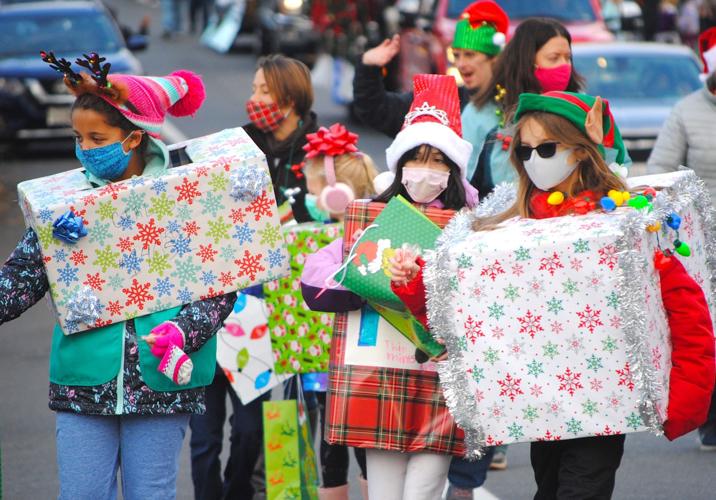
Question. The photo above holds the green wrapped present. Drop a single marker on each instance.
(300, 338)
(367, 272)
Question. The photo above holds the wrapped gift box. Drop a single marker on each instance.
(383, 399)
(556, 328)
(300, 337)
(202, 229)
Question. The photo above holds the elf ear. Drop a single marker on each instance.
(594, 122)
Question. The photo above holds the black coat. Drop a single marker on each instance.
(281, 155)
(382, 110)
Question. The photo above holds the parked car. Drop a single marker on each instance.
(34, 103)
(285, 26)
(641, 81)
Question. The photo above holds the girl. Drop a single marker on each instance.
(112, 405)
(559, 146)
(336, 174)
(538, 58)
(428, 160)
(279, 110)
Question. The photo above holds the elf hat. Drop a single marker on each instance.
(482, 27)
(143, 100)
(707, 50)
(433, 119)
(586, 112)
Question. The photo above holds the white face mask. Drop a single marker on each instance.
(546, 173)
(424, 184)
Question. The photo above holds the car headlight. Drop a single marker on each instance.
(12, 86)
(290, 6)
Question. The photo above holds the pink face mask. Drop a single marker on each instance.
(424, 184)
(554, 79)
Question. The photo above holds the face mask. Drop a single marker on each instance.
(546, 173)
(316, 213)
(556, 78)
(267, 117)
(423, 184)
(106, 162)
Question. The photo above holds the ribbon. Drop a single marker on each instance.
(84, 307)
(248, 183)
(69, 228)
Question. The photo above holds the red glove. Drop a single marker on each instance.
(164, 336)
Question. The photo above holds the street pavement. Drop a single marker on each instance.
(652, 467)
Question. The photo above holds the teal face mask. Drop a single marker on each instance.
(313, 210)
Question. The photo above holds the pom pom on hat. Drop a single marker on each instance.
(194, 97)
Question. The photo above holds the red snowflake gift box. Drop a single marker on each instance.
(556, 328)
(203, 229)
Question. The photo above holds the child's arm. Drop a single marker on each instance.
(693, 367)
(319, 267)
(23, 280)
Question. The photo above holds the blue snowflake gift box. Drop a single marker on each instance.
(556, 328)
(151, 243)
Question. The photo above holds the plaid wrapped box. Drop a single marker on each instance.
(300, 338)
(556, 328)
(386, 408)
(202, 229)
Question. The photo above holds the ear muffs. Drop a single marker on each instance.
(336, 196)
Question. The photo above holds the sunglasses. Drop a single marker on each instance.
(545, 150)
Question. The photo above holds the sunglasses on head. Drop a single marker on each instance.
(545, 150)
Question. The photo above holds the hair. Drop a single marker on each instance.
(452, 198)
(514, 67)
(289, 82)
(593, 173)
(112, 116)
(357, 170)
(711, 81)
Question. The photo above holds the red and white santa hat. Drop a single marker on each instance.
(707, 50)
(433, 119)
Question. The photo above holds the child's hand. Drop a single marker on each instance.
(163, 336)
(443, 355)
(402, 266)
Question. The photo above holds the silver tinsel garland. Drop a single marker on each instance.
(438, 274)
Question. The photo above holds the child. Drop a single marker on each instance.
(113, 406)
(428, 160)
(336, 174)
(559, 146)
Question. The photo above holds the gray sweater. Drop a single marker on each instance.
(688, 137)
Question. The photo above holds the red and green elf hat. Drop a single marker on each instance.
(576, 108)
(482, 27)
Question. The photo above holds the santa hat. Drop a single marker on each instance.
(582, 110)
(143, 100)
(433, 119)
(707, 50)
(482, 27)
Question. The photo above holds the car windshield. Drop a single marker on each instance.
(62, 33)
(564, 10)
(660, 78)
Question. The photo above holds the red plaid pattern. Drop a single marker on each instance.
(386, 408)
(267, 117)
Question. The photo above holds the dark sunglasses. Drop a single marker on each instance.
(545, 150)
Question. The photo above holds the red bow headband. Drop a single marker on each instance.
(333, 141)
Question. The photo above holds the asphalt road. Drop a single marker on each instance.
(652, 468)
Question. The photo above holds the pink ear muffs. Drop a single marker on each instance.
(336, 196)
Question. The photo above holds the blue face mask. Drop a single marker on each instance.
(106, 162)
(316, 213)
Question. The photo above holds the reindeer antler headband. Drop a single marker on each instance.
(81, 83)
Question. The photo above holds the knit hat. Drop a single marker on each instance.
(143, 100)
(433, 119)
(482, 27)
(707, 50)
(576, 108)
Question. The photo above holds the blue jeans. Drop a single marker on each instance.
(470, 475)
(90, 448)
(171, 15)
(207, 437)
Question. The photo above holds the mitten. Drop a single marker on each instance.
(167, 334)
(176, 365)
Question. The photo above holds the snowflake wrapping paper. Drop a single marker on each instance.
(556, 328)
(300, 337)
(201, 230)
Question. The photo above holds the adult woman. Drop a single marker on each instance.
(537, 59)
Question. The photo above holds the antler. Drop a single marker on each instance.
(98, 71)
(61, 66)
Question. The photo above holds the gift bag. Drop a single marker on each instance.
(367, 269)
(290, 460)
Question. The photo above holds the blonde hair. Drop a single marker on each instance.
(592, 171)
(357, 170)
